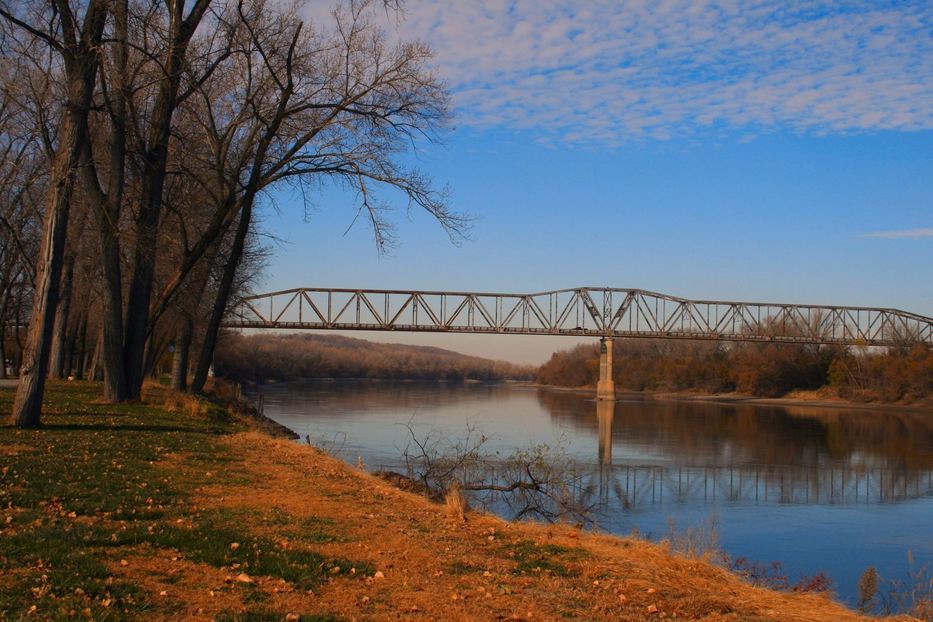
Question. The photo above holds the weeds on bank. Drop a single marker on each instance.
(100, 482)
(702, 542)
(913, 595)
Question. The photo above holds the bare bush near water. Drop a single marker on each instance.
(540, 482)
(912, 595)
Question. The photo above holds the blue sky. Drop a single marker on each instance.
(759, 151)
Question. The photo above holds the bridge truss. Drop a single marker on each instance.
(584, 311)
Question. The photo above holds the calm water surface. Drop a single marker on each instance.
(818, 489)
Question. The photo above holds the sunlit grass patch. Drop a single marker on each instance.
(102, 482)
(544, 558)
(308, 529)
(219, 539)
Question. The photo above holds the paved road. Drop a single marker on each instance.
(11, 382)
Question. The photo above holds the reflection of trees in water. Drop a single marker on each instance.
(706, 452)
(407, 396)
(722, 435)
(796, 455)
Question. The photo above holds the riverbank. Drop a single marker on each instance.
(177, 509)
(814, 399)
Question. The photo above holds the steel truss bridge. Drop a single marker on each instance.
(583, 311)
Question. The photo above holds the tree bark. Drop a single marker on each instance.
(220, 299)
(109, 218)
(17, 336)
(2, 350)
(58, 362)
(95, 357)
(81, 70)
(180, 360)
(82, 348)
(153, 182)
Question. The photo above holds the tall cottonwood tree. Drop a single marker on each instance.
(77, 41)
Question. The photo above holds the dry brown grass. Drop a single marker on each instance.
(182, 403)
(455, 501)
(435, 566)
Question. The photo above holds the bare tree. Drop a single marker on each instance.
(171, 123)
(78, 44)
(341, 106)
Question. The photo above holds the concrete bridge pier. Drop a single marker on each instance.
(606, 387)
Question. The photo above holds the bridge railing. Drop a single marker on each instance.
(604, 312)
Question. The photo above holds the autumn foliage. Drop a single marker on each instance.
(767, 370)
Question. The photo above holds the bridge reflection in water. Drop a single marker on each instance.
(632, 485)
(818, 489)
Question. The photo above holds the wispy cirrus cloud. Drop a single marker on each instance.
(607, 72)
(923, 232)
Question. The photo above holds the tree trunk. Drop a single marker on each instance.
(220, 299)
(81, 71)
(107, 210)
(95, 358)
(155, 348)
(153, 176)
(69, 354)
(180, 360)
(17, 336)
(82, 349)
(2, 349)
(3, 306)
(59, 357)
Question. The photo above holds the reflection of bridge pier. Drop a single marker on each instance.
(604, 413)
(605, 410)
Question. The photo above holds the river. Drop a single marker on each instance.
(831, 490)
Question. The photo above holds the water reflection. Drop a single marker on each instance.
(734, 454)
(796, 484)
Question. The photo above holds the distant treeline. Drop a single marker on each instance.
(767, 370)
(264, 358)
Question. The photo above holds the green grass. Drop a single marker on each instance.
(99, 481)
(545, 558)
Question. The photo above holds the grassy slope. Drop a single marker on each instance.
(171, 509)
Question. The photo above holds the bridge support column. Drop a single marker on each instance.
(606, 387)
